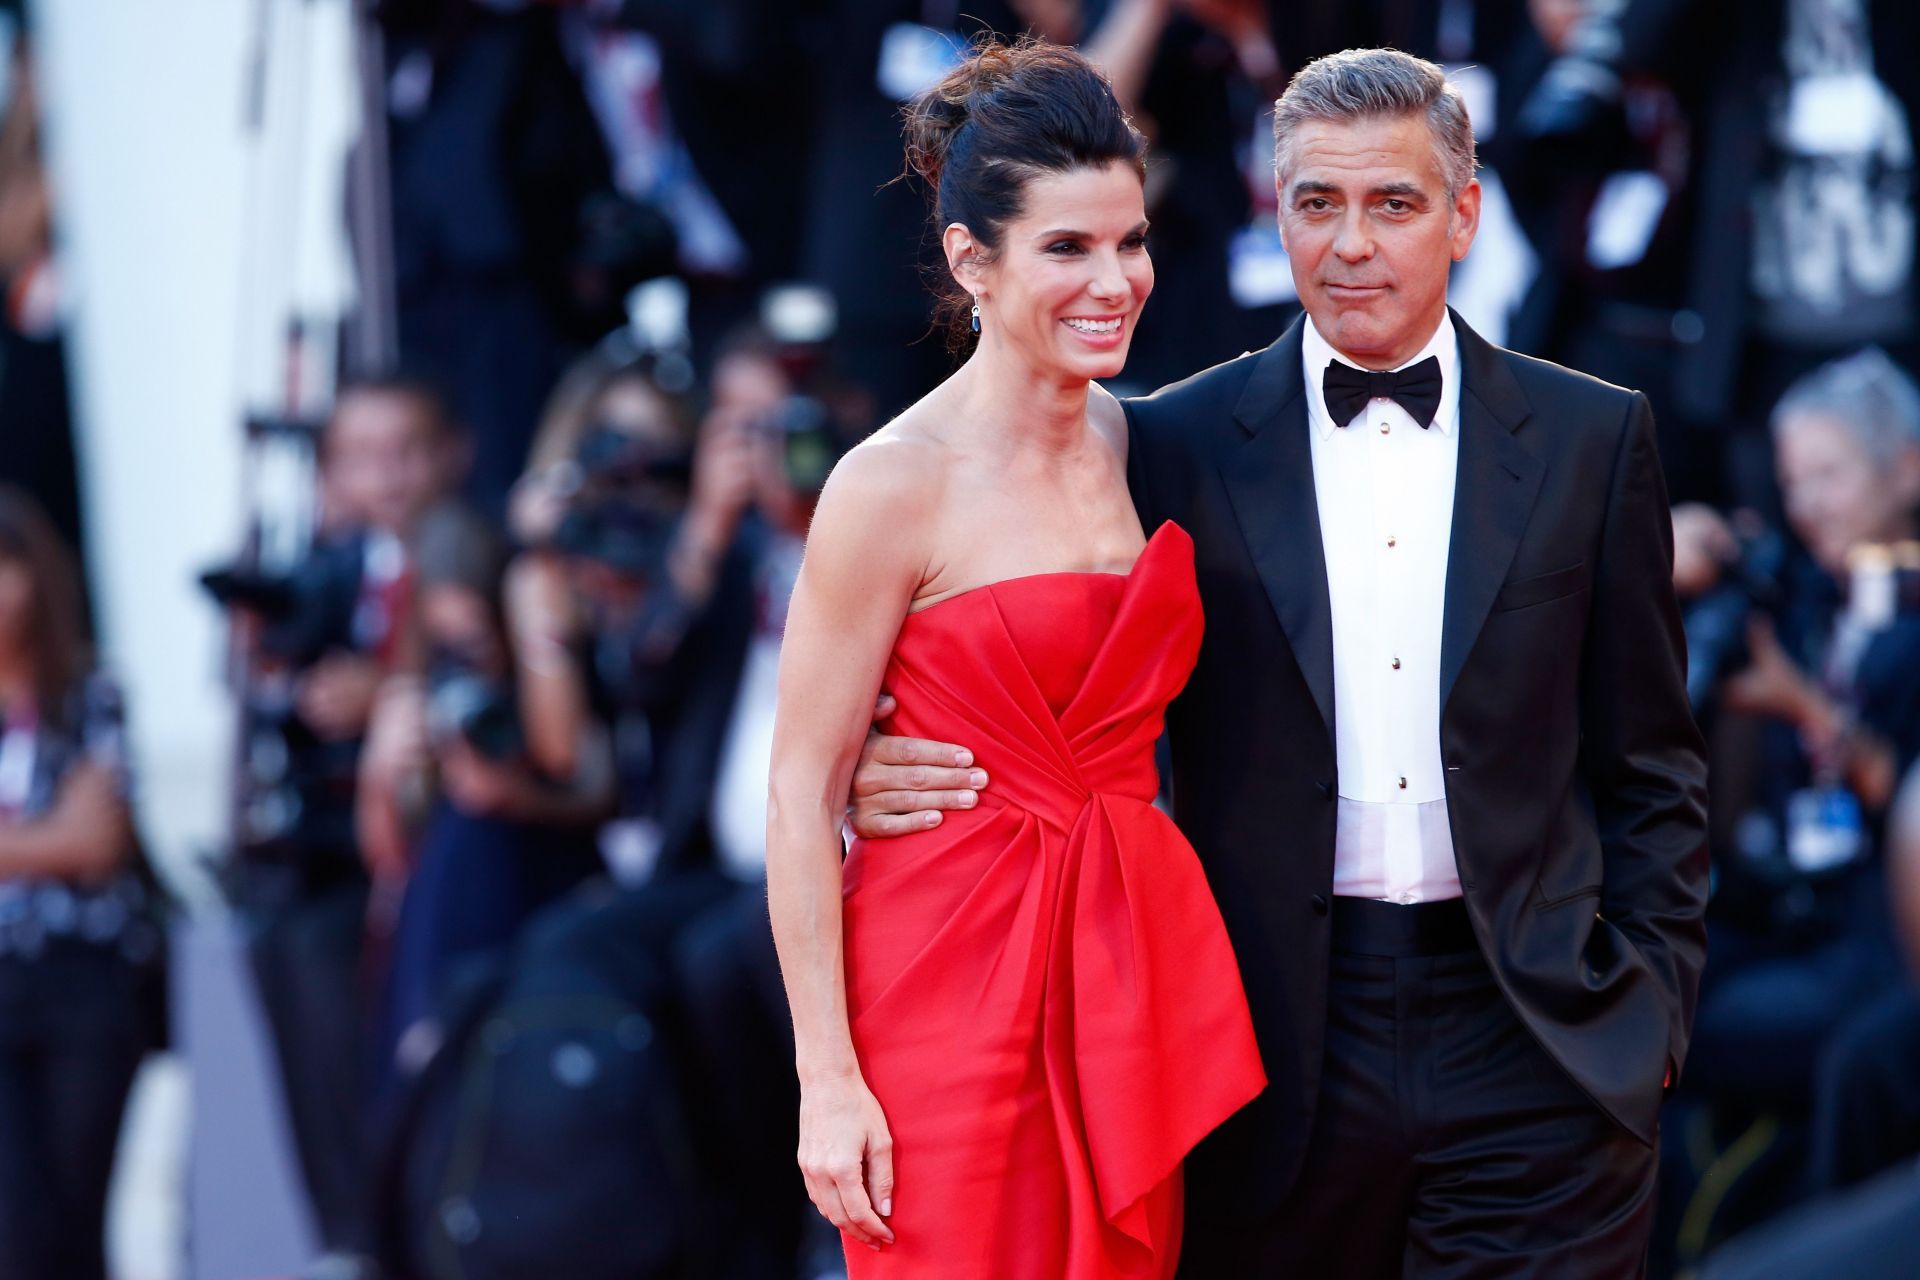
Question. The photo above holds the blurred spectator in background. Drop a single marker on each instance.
(36, 437)
(625, 607)
(321, 639)
(1817, 654)
(513, 247)
(451, 811)
(79, 942)
(1797, 222)
(1867, 1233)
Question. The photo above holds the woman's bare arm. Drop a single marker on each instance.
(85, 837)
(866, 556)
(543, 619)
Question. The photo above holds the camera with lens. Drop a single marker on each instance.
(626, 494)
(465, 704)
(803, 430)
(295, 789)
(1750, 586)
(305, 611)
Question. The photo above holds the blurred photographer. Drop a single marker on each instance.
(320, 639)
(77, 934)
(452, 812)
(627, 606)
(1822, 647)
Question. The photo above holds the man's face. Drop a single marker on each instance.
(386, 461)
(1838, 496)
(1371, 234)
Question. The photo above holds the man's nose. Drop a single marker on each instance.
(1353, 243)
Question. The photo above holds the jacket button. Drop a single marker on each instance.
(1326, 789)
(1319, 904)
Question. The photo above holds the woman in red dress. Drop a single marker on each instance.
(1012, 1026)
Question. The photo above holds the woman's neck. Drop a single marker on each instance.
(1016, 406)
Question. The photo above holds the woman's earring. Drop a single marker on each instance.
(976, 317)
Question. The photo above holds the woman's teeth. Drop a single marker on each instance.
(1094, 326)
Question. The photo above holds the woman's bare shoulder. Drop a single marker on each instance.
(901, 464)
(880, 503)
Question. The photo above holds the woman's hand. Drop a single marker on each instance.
(846, 1155)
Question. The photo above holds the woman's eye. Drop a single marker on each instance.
(1134, 242)
(1063, 247)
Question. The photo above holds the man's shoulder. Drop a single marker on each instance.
(1224, 381)
(1208, 395)
(1564, 392)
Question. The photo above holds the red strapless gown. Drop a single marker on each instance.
(1042, 995)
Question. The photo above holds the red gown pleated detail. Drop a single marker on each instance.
(1043, 998)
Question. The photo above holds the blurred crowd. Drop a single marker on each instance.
(500, 796)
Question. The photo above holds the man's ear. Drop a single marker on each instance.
(1465, 217)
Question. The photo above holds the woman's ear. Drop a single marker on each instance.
(963, 256)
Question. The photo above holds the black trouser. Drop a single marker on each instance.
(307, 959)
(1867, 1106)
(72, 1042)
(1446, 1144)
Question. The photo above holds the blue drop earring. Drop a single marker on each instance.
(976, 317)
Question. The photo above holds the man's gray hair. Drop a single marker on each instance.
(1367, 84)
(1866, 392)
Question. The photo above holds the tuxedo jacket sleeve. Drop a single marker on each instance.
(1640, 753)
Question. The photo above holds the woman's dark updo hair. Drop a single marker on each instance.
(1006, 115)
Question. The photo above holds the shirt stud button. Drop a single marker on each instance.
(1396, 664)
(1392, 541)
(1385, 427)
(1403, 784)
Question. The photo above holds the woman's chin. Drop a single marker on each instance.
(1097, 364)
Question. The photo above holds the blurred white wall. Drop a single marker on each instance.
(143, 110)
(169, 256)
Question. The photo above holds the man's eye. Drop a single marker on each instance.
(1398, 206)
(1317, 204)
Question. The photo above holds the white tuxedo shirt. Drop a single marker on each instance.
(1385, 486)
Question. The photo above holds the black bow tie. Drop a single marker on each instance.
(1416, 388)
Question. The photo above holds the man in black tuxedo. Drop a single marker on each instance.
(1436, 756)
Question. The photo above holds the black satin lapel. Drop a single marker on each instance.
(1496, 482)
(1269, 480)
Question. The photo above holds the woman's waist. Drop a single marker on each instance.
(970, 843)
